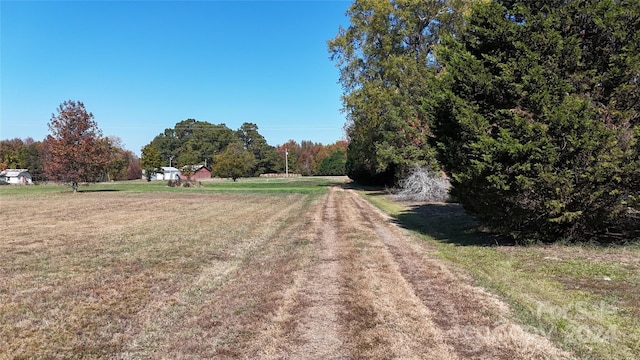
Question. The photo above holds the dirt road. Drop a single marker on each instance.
(343, 282)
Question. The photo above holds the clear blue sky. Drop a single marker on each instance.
(142, 66)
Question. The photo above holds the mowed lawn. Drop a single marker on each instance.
(141, 270)
(117, 270)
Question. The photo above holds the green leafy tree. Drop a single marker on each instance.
(388, 73)
(31, 155)
(234, 162)
(151, 160)
(334, 164)
(192, 142)
(266, 156)
(22, 154)
(538, 126)
(10, 153)
(291, 155)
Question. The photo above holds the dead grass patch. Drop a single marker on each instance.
(98, 274)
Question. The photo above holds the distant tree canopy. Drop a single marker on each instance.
(266, 157)
(75, 149)
(73, 132)
(305, 157)
(193, 142)
(189, 143)
(23, 154)
(234, 162)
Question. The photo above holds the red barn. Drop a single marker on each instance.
(198, 172)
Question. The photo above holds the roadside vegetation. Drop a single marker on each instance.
(582, 296)
(530, 107)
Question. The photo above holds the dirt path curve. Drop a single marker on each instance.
(375, 292)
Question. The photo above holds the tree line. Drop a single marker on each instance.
(240, 153)
(85, 147)
(76, 151)
(30, 154)
(531, 108)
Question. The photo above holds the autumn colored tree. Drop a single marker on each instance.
(134, 166)
(329, 150)
(76, 151)
(306, 157)
(123, 164)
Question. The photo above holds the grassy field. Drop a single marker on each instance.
(122, 268)
(584, 297)
(118, 269)
(305, 185)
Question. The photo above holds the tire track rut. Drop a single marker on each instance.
(471, 324)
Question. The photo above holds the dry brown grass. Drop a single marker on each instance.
(241, 276)
(98, 274)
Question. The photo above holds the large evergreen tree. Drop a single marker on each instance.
(539, 125)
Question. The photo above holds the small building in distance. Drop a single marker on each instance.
(198, 172)
(16, 177)
(167, 173)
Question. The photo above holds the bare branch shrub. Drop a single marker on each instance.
(423, 184)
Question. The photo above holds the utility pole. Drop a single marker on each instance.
(286, 162)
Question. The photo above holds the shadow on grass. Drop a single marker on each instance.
(98, 190)
(371, 190)
(448, 223)
(445, 222)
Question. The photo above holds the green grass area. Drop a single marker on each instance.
(584, 297)
(300, 185)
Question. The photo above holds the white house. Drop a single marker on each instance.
(16, 176)
(168, 173)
